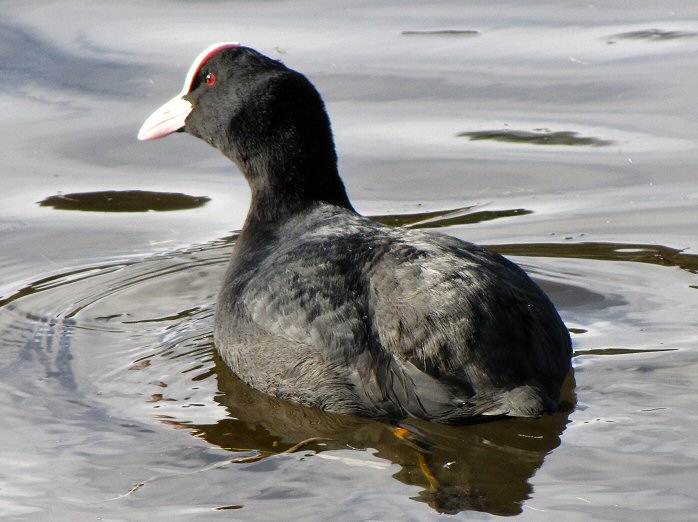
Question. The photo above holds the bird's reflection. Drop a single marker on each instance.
(483, 467)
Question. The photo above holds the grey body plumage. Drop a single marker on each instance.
(349, 315)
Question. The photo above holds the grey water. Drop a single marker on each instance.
(562, 135)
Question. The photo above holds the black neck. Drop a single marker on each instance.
(281, 191)
(286, 152)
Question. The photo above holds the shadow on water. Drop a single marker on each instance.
(446, 461)
(536, 137)
(124, 201)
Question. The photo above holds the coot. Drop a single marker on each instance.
(327, 308)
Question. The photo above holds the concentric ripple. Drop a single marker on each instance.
(135, 338)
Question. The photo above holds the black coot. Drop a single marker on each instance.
(327, 308)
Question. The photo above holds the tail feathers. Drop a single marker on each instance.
(523, 401)
(400, 389)
(421, 395)
(431, 399)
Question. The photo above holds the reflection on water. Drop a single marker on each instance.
(153, 318)
(443, 460)
(173, 368)
(52, 68)
(638, 253)
(167, 361)
(537, 137)
(445, 218)
(618, 351)
(651, 35)
(655, 254)
(442, 32)
(124, 201)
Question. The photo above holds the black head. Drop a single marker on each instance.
(267, 118)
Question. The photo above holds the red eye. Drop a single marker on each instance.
(210, 78)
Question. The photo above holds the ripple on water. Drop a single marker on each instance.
(136, 338)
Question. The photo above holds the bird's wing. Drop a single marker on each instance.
(441, 310)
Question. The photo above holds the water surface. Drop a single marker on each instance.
(563, 138)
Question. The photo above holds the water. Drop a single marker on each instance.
(563, 136)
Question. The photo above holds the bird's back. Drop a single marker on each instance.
(333, 310)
